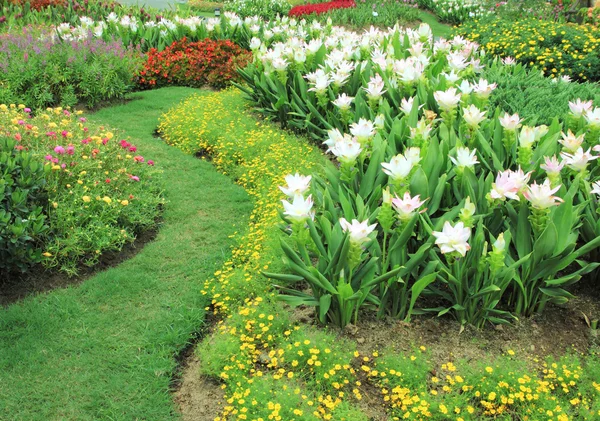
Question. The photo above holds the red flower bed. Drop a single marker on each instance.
(40, 4)
(194, 64)
(318, 8)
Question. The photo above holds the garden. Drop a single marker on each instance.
(300, 210)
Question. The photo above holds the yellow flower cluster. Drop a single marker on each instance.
(274, 368)
(558, 49)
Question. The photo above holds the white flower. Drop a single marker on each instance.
(279, 64)
(510, 122)
(447, 100)
(379, 122)
(509, 61)
(359, 231)
(334, 136)
(593, 117)
(399, 167)
(540, 131)
(363, 130)
(508, 184)
(300, 209)
(473, 115)
(579, 160)
(346, 150)
(406, 105)
(407, 206)
(541, 195)
(500, 243)
(465, 158)
(296, 184)
(551, 165)
(423, 129)
(453, 238)
(527, 137)
(483, 88)
(413, 155)
(343, 102)
(596, 188)
(465, 87)
(374, 88)
(571, 142)
(579, 108)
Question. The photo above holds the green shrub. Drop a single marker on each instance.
(266, 9)
(22, 203)
(369, 12)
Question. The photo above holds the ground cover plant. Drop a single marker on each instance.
(319, 8)
(106, 348)
(273, 366)
(97, 193)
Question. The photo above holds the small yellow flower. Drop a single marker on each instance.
(46, 254)
(86, 199)
(124, 202)
(107, 199)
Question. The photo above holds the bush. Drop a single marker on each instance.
(101, 192)
(319, 8)
(266, 9)
(53, 72)
(22, 203)
(558, 49)
(207, 62)
(386, 13)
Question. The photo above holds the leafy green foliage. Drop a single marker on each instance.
(22, 203)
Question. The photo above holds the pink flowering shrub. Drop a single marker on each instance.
(101, 191)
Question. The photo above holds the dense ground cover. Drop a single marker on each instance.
(106, 349)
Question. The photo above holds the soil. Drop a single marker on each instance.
(40, 280)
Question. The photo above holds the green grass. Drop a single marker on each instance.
(105, 349)
(439, 29)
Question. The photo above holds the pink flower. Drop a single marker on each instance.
(132, 149)
(85, 141)
(21, 122)
(48, 157)
(64, 133)
(579, 160)
(135, 178)
(82, 119)
(508, 184)
(27, 110)
(407, 206)
(63, 166)
(70, 150)
(151, 162)
(124, 144)
(67, 113)
(541, 195)
(51, 134)
(107, 180)
(59, 150)
(138, 158)
(105, 141)
(551, 165)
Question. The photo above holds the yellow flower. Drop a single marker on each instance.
(107, 199)
(86, 199)
(46, 254)
(124, 202)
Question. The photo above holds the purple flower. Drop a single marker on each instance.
(59, 150)
(135, 178)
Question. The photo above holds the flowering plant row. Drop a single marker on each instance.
(99, 191)
(207, 62)
(319, 8)
(422, 162)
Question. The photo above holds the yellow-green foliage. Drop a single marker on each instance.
(276, 369)
(205, 6)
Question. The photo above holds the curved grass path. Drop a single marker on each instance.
(105, 349)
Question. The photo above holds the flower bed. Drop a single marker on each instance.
(185, 63)
(99, 192)
(319, 8)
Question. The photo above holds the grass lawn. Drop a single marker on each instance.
(439, 29)
(105, 349)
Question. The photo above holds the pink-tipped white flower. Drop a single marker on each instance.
(465, 158)
(407, 104)
(448, 99)
(399, 167)
(407, 206)
(343, 102)
(483, 88)
(333, 136)
(593, 117)
(579, 108)
(346, 150)
(552, 166)
(413, 155)
(527, 137)
(363, 130)
(359, 231)
(473, 116)
(509, 61)
(300, 209)
(508, 184)
(578, 161)
(453, 238)
(510, 122)
(375, 87)
(296, 185)
(571, 142)
(541, 195)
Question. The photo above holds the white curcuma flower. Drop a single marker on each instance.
(465, 158)
(448, 99)
(579, 108)
(407, 206)
(510, 122)
(509, 61)
(465, 87)
(508, 184)
(578, 161)
(406, 105)
(551, 165)
(399, 167)
(296, 184)
(422, 130)
(379, 122)
(483, 88)
(279, 64)
(343, 102)
(527, 137)
(333, 136)
(363, 130)
(453, 238)
(571, 142)
(593, 117)
(255, 43)
(413, 154)
(359, 231)
(596, 188)
(346, 150)
(300, 208)
(375, 87)
(473, 116)
(541, 195)
(540, 131)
